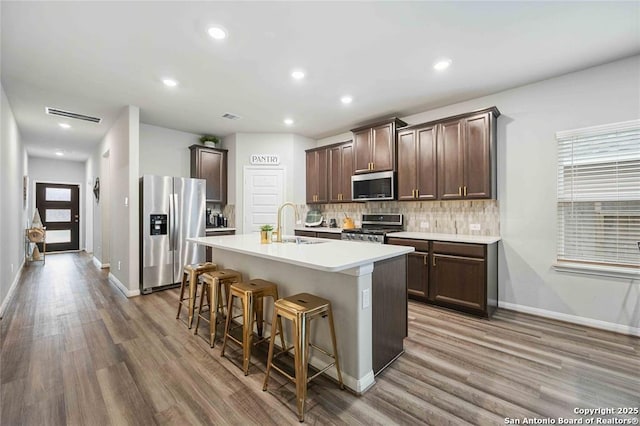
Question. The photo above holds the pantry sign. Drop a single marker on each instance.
(265, 159)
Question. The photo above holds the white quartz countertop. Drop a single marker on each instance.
(454, 238)
(219, 229)
(328, 255)
(319, 229)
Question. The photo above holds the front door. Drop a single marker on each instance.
(58, 205)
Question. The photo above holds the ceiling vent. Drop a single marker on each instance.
(69, 114)
(230, 116)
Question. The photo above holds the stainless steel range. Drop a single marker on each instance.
(374, 228)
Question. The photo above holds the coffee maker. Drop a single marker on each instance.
(210, 218)
(215, 219)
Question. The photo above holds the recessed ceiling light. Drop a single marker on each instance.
(288, 121)
(346, 99)
(217, 33)
(297, 74)
(169, 82)
(64, 125)
(442, 64)
(59, 153)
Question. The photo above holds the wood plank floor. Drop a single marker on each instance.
(75, 351)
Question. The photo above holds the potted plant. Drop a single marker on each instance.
(265, 234)
(209, 140)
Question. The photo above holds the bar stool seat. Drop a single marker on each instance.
(212, 284)
(251, 294)
(300, 309)
(190, 274)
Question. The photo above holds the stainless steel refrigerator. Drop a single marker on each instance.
(172, 209)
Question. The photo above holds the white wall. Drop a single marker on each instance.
(13, 218)
(527, 188)
(52, 170)
(121, 143)
(289, 147)
(165, 152)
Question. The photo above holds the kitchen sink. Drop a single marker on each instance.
(299, 240)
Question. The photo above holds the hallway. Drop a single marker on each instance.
(76, 351)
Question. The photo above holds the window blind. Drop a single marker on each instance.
(599, 194)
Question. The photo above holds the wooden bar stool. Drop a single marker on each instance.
(251, 294)
(190, 274)
(212, 283)
(301, 309)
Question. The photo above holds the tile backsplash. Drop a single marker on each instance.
(470, 217)
(446, 217)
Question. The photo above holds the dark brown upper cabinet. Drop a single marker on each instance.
(317, 168)
(210, 164)
(417, 176)
(340, 172)
(374, 146)
(466, 156)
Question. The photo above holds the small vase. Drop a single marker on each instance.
(265, 237)
(210, 144)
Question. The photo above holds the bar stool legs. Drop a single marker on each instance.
(252, 295)
(301, 309)
(190, 274)
(212, 285)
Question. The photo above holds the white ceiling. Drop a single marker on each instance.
(96, 57)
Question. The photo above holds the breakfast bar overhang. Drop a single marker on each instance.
(366, 284)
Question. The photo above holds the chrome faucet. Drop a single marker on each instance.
(278, 230)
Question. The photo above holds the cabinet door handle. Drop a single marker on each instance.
(459, 191)
(425, 259)
(465, 191)
(417, 193)
(433, 261)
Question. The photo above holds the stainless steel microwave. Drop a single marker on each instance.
(373, 186)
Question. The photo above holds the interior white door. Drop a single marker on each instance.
(263, 194)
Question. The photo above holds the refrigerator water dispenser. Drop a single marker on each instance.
(158, 224)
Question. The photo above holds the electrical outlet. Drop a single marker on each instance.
(119, 265)
(424, 225)
(365, 299)
(12, 266)
(474, 226)
(126, 201)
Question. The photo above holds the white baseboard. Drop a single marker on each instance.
(589, 322)
(359, 386)
(122, 287)
(12, 290)
(100, 265)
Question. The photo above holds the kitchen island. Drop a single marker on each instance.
(366, 284)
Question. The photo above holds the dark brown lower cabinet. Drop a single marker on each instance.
(209, 250)
(458, 282)
(418, 275)
(460, 276)
(464, 277)
(417, 267)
